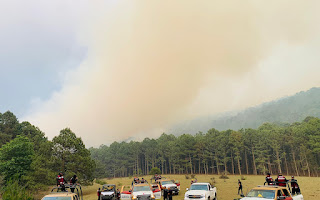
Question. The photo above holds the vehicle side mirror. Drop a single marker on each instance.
(211, 189)
(187, 189)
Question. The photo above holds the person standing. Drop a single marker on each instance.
(269, 179)
(118, 194)
(294, 186)
(165, 193)
(61, 181)
(169, 194)
(240, 187)
(73, 182)
(99, 193)
(281, 180)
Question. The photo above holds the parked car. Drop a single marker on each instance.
(108, 192)
(271, 192)
(170, 185)
(140, 191)
(201, 191)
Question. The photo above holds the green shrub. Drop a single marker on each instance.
(101, 182)
(224, 177)
(243, 178)
(187, 176)
(193, 175)
(154, 171)
(13, 191)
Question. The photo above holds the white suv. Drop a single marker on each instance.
(201, 191)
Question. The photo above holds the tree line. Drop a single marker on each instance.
(28, 159)
(292, 149)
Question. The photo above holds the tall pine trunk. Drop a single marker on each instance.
(295, 163)
(246, 158)
(254, 163)
(239, 167)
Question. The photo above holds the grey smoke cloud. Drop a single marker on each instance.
(151, 64)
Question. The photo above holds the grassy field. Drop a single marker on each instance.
(227, 189)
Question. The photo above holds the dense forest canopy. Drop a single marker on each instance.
(288, 148)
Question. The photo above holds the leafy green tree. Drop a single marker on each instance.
(71, 156)
(9, 127)
(154, 171)
(16, 158)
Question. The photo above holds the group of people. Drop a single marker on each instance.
(61, 182)
(167, 193)
(136, 180)
(157, 177)
(282, 181)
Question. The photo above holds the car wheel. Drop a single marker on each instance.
(215, 197)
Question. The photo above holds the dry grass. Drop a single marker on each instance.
(227, 189)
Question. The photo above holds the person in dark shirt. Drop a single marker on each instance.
(169, 194)
(73, 181)
(294, 186)
(240, 187)
(118, 194)
(269, 179)
(99, 193)
(165, 193)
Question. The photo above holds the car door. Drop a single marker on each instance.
(210, 191)
(125, 193)
(286, 194)
(156, 191)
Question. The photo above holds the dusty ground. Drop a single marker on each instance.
(226, 188)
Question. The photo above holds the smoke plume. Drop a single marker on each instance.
(150, 63)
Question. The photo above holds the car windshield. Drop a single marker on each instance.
(199, 187)
(56, 198)
(141, 188)
(267, 194)
(166, 182)
(108, 188)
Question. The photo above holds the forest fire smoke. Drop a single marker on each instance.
(147, 62)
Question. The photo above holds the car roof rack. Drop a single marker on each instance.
(77, 189)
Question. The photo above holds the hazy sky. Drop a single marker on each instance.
(112, 70)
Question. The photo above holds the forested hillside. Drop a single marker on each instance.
(285, 110)
(292, 149)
